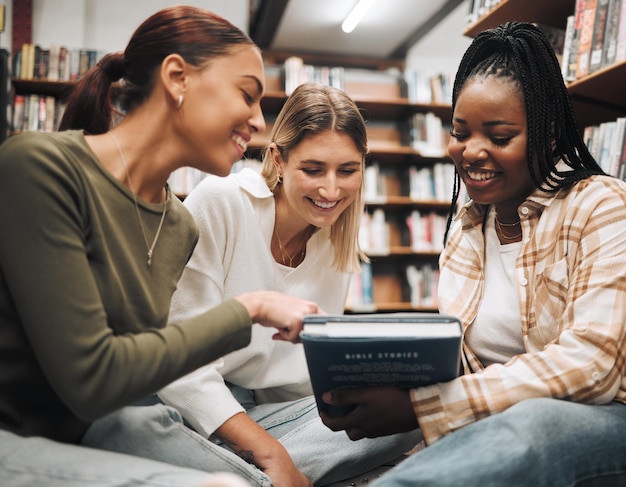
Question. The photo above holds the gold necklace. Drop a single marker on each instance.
(143, 229)
(285, 255)
(499, 225)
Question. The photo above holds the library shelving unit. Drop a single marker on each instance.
(598, 97)
(51, 93)
(390, 289)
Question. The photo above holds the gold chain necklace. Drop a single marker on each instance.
(499, 224)
(143, 229)
(285, 254)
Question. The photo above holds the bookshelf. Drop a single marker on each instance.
(596, 98)
(42, 78)
(387, 110)
(553, 13)
(57, 89)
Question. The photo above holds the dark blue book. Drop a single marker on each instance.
(406, 350)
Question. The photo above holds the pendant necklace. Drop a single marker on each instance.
(285, 254)
(143, 229)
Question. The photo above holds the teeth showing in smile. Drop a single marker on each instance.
(480, 176)
(325, 205)
(240, 142)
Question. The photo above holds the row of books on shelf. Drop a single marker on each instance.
(420, 282)
(477, 8)
(36, 113)
(54, 63)
(607, 144)
(423, 230)
(429, 135)
(424, 88)
(412, 84)
(595, 37)
(184, 179)
(425, 183)
(296, 72)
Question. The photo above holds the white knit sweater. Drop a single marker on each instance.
(235, 216)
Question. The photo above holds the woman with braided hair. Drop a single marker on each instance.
(93, 244)
(535, 267)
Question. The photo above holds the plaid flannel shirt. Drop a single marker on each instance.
(571, 282)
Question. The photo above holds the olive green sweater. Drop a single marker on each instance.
(82, 316)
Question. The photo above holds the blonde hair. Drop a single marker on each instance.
(312, 109)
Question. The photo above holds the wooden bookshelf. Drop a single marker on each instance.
(378, 108)
(548, 12)
(58, 89)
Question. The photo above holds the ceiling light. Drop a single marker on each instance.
(356, 15)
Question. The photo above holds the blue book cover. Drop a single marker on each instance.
(406, 350)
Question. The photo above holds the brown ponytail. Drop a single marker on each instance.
(195, 34)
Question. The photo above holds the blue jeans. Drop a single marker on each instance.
(37, 461)
(159, 432)
(536, 443)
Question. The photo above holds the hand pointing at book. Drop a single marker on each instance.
(378, 411)
(285, 313)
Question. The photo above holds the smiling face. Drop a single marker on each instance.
(488, 143)
(321, 179)
(221, 109)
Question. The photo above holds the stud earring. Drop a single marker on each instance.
(180, 101)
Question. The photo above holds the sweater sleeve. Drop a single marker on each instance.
(58, 306)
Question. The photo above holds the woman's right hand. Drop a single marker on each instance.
(278, 310)
(256, 446)
(286, 474)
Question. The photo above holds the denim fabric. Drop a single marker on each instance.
(536, 443)
(35, 461)
(158, 432)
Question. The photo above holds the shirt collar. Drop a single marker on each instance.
(253, 183)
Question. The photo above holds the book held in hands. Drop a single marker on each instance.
(406, 350)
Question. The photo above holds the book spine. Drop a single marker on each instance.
(572, 62)
(599, 31)
(609, 49)
(568, 45)
(18, 113)
(620, 54)
(586, 37)
(33, 113)
(616, 144)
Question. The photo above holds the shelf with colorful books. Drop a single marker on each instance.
(37, 104)
(552, 12)
(595, 85)
(42, 78)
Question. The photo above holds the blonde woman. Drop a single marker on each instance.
(293, 228)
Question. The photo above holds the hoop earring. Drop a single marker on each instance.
(179, 103)
(279, 179)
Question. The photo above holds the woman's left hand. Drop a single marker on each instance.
(379, 411)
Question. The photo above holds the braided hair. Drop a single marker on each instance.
(521, 52)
